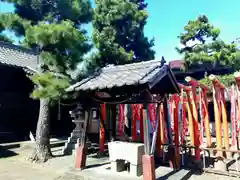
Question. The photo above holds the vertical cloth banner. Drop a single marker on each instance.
(121, 121)
(233, 115)
(183, 120)
(152, 115)
(101, 129)
(238, 112)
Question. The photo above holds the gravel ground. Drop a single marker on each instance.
(60, 168)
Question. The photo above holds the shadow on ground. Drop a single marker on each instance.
(185, 177)
(5, 153)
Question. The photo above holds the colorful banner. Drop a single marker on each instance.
(233, 115)
(121, 121)
(152, 114)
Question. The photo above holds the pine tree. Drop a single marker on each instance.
(118, 32)
(202, 45)
(54, 28)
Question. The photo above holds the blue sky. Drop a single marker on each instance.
(168, 17)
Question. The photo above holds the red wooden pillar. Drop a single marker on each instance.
(101, 130)
(134, 120)
(141, 124)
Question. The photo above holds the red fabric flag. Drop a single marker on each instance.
(120, 119)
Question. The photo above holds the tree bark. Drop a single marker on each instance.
(42, 151)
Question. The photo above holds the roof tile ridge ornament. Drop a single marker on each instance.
(163, 61)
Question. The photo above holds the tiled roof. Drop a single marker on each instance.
(18, 56)
(149, 72)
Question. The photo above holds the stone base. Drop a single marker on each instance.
(136, 170)
(118, 166)
(148, 167)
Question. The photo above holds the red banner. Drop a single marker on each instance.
(152, 114)
(121, 121)
(101, 129)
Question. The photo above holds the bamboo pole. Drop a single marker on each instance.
(221, 90)
(206, 118)
(162, 127)
(224, 119)
(216, 112)
(183, 118)
(233, 116)
(146, 130)
(195, 118)
(155, 133)
(237, 79)
(204, 103)
(238, 112)
(190, 119)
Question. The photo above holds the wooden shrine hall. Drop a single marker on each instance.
(136, 83)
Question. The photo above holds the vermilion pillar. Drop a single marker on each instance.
(206, 117)
(195, 124)
(217, 112)
(224, 119)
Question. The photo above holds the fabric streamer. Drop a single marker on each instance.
(233, 115)
(152, 115)
(120, 119)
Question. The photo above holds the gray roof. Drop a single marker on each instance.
(149, 72)
(18, 56)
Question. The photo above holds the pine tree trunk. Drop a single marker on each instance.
(42, 151)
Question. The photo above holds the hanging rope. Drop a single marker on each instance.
(59, 110)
